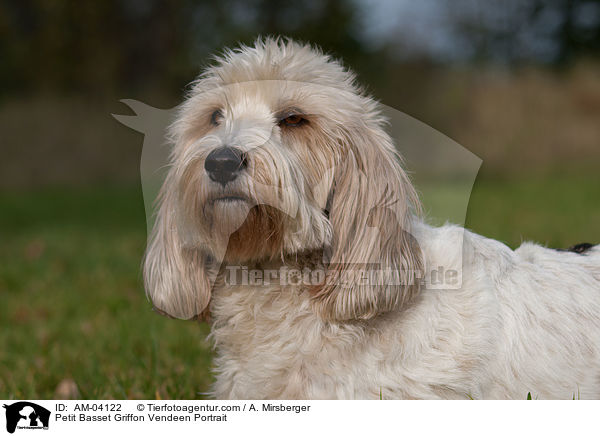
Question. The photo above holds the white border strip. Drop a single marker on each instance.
(311, 417)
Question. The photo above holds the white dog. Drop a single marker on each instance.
(287, 215)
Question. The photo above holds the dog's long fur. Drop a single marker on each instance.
(329, 195)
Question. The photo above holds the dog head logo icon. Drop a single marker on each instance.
(26, 415)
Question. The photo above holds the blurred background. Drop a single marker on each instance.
(516, 82)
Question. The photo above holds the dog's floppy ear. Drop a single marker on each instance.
(374, 263)
(175, 276)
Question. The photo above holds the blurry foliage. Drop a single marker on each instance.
(65, 64)
(101, 47)
(113, 46)
(527, 31)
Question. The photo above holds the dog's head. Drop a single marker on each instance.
(277, 152)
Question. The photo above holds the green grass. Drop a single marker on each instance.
(72, 304)
(554, 211)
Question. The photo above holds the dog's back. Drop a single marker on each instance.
(523, 321)
(548, 320)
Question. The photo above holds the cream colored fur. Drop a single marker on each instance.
(330, 196)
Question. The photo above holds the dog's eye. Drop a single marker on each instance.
(292, 120)
(216, 116)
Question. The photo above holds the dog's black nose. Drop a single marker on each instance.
(224, 164)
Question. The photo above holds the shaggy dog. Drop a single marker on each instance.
(286, 216)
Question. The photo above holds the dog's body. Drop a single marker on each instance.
(524, 321)
(300, 175)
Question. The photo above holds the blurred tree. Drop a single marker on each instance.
(579, 29)
(513, 31)
(91, 47)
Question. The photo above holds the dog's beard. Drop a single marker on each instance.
(234, 224)
(258, 216)
(259, 237)
(224, 215)
(246, 227)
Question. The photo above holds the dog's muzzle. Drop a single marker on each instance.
(224, 164)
